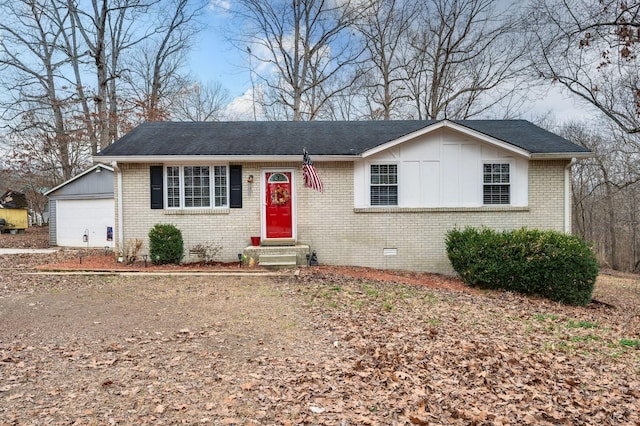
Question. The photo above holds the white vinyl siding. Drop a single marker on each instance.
(443, 170)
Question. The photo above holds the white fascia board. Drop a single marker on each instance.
(454, 126)
(78, 176)
(562, 155)
(183, 159)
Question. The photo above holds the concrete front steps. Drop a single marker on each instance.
(277, 261)
(278, 257)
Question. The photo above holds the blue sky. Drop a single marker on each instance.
(213, 58)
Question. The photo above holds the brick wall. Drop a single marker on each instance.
(340, 234)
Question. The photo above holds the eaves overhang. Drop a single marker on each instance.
(78, 176)
(562, 155)
(185, 159)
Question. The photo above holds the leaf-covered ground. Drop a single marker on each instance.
(323, 347)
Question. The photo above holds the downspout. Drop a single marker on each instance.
(114, 164)
(567, 196)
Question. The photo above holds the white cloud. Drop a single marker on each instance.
(243, 108)
(225, 5)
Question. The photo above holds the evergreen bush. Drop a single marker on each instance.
(551, 264)
(165, 244)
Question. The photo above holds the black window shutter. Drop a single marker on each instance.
(235, 186)
(155, 177)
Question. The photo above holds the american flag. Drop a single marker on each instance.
(311, 179)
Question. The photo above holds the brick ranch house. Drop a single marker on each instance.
(392, 189)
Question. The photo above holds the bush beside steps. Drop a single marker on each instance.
(165, 244)
(550, 264)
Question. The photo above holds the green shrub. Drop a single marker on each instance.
(165, 244)
(551, 264)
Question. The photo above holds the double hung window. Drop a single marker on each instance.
(192, 186)
(496, 183)
(384, 185)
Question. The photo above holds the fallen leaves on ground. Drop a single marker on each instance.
(327, 346)
(34, 237)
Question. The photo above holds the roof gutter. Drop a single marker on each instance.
(221, 158)
(562, 155)
(118, 172)
(567, 196)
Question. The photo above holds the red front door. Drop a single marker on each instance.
(279, 210)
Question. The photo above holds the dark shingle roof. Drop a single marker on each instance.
(318, 137)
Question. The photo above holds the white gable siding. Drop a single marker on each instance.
(442, 169)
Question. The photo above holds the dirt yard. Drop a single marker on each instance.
(336, 346)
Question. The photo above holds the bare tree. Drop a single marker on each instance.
(350, 104)
(465, 59)
(299, 48)
(50, 48)
(197, 102)
(605, 193)
(155, 70)
(590, 48)
(385, 28)
(33, 69)
(108, 29)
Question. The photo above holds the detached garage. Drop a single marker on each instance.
(82, 210)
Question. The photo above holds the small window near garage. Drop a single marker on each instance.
(384, 184)
(496, 183)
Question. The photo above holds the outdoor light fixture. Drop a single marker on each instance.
(240, 259)
(85, 237)
(313, 260)
(106, 250)
(144, 257)
(250, 179)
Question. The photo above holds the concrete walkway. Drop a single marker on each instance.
(26, 251)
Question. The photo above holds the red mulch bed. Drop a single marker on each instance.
(102, 262)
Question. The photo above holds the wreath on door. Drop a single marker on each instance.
(279, 196)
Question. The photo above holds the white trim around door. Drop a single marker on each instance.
(263, 203)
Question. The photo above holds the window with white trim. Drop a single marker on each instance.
(197, 186)
(173, 186)
(384, 185)
(191, 186)
(221, 194)
(496, 188)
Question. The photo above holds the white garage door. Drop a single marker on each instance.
(74, 218)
